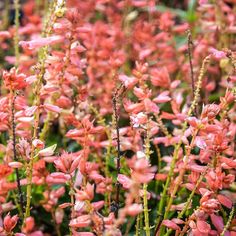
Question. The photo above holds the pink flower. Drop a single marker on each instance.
(203, 227)
(47, 151)
(170, 224)
(217, 54)
(38, 143)
(9, 222)
(218, 222)
(200, 143)
(14, 80)
(81, 221)
(150, 106)
(15, 164)
(59, 215)
(201, 2)
(142, 172)
(161, 78)
(129, 82)
(134, 209)
(125, 181)
(29, 224)
(5, 35)
(67, 163)
(41, 42)
(210, 111)
(86, 194)
(53, 108)
(225, 201)
(162, 98)
(57, 178)
(138, 119)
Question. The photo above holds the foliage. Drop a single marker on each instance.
(117, 118)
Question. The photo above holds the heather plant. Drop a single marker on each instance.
(117, 117)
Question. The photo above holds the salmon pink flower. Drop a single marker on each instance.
(4, 170)
(218, 222)
(81, 221)
(162, 98)
(170, 224)
(129, 82)
(134, 209)
(67, 163)
(4, 35)
(9, 222)
(125, 181)
(57, 178)
(161, 78)
(201, 2)
(41, 42)
(59, 215)
(14, 80)
(48, 151)
(86, 194)
(217, 54)
(53, 108)
(38, 143)
(141, 170)
(138, 119)
(203, 227)
(210, 111)
(224, 201)
(29, 224)
(15, 164)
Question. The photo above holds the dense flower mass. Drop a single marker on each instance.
(117, 117)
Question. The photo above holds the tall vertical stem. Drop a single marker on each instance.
(16, 33)
(13, 125)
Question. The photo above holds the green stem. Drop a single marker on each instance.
(16, 34)
(42, 58)
(189, 200)
(177, 147)
(146, 214)
(72, 200)
(145, 200)
(181, 175)
(228, 222)
(137, 225)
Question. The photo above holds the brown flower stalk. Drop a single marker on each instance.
(117, 94)
(13, 125)
(190, 45)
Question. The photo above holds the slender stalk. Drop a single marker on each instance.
(178, 146)
(57, 226)
(231, 215)
(72, 199)
(29, 171)
(5, 15)
(190, 45)
(101, 121)
(137, 225)
(13, 125)
(49, 117)
(145, 199)
(117, 93)
(14, 152)
(181, 175)
(13, 97)
(16, 33)
(40, 70)
(186, 206)
(118, 150)
(162, 126)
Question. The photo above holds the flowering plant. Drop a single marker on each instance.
(117, 118)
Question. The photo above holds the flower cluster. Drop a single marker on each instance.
(117, 118)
